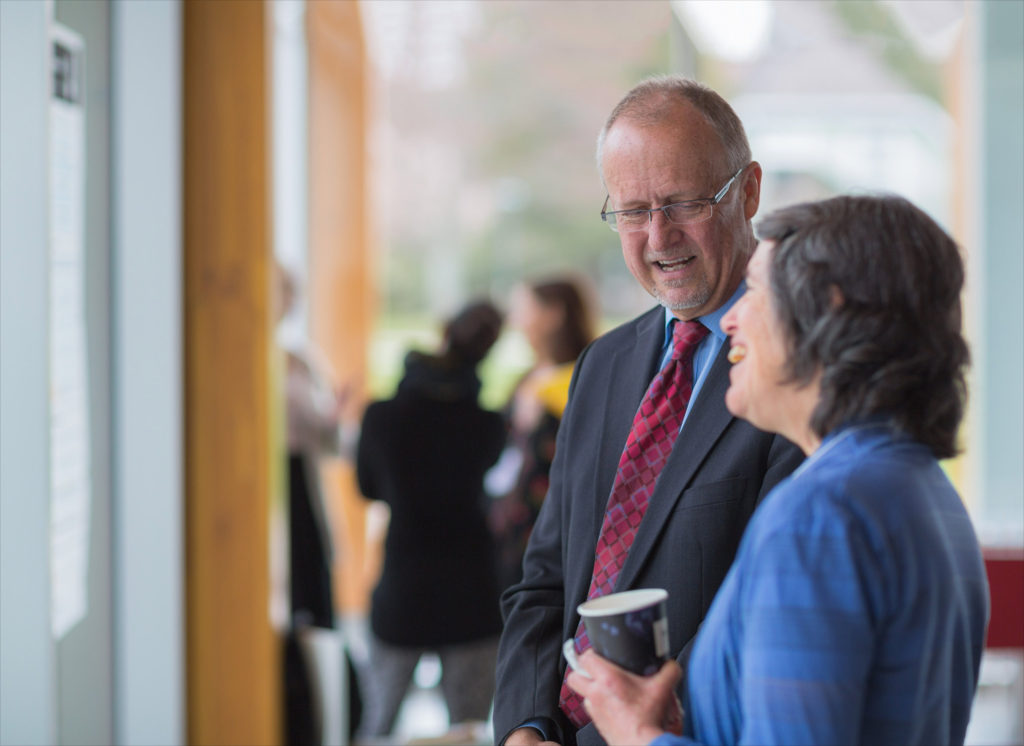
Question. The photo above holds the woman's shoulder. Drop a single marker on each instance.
(869, 464)
(871, 487)
(813, 526)
(389, 413)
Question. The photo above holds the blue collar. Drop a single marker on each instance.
(713, 320)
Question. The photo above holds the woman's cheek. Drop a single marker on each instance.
(735, 396)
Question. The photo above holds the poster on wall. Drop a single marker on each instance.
(70, 450)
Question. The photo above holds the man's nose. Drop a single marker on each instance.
(661, 231)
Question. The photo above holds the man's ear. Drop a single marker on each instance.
(751, 188)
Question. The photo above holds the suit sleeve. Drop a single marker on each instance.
(530, 666)
(783, 459)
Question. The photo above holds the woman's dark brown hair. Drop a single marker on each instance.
(867, 290)
(576, 330)
(470, 334)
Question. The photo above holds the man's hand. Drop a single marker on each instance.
(628, 709)
(527, 737)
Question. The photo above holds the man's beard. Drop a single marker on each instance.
(695, 299)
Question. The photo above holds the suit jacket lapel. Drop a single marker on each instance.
(706, 422)
(623, 402)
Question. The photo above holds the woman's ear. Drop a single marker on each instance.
(836, 297)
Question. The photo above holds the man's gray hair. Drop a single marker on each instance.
(649, 102)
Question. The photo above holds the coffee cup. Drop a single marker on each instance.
(629, 628)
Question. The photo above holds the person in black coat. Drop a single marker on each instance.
(424, 453)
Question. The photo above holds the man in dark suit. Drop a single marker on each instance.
(682, 190)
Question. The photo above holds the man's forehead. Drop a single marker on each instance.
(654, 180)
(668, 144)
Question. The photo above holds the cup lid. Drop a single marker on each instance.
(618, 603)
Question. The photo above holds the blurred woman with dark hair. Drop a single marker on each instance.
(555, 318)
(424, 453)
(856, 608)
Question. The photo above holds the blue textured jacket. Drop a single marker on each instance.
(855, 611)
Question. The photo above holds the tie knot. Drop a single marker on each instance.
(686, 335)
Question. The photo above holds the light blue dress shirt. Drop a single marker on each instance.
(709, 347)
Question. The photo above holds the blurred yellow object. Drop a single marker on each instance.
(553, 389)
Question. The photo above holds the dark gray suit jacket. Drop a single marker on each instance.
(719, 469)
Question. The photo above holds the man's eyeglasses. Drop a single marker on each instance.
(681, 213)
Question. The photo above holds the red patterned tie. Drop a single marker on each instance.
(648, 446)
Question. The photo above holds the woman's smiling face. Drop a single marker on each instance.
(757, 391)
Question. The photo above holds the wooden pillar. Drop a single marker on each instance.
(233, 681)
(340, 286)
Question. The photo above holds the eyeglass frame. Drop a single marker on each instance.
(709, 201)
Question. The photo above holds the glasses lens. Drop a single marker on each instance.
(632, 220)
(688, 212)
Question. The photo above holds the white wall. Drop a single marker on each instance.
(146, 60)
(998, 353)
(146, 377)
(27, 654)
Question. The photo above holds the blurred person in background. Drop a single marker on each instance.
(857, 606)
(653, 480)
(315, 430)
(314, 409)
(424, 453)
(555, 318)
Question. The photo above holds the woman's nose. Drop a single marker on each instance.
(728, 322)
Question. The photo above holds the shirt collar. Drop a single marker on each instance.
(713, 320)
